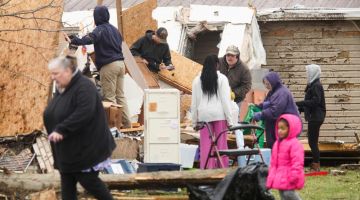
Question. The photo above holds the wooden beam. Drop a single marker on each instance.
(119, 16)
(39, 182)
(133, 68)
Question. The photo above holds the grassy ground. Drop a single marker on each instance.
(331, 187)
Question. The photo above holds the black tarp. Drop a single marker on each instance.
(247, 183)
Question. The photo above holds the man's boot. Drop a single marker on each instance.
(315, 167)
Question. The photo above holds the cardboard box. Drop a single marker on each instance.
(113, 114)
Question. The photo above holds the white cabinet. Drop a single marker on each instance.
(162, 126)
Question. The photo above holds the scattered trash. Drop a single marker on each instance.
(44, 195)
(120, 167)
(336, 172)
(320, 173)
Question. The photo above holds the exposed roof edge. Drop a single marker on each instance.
(279, 14)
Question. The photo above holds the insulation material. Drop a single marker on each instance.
(184, 73)
(137, 19)
(216, 14)
(232, 35)
(165, 17)
(248, 39)
(134, 96)
(24, 54)
(258, 57)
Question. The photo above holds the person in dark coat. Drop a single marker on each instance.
(80, 137)
(109, 59)
(237, 72)
(153, 50)
(315, 110)
(278, 101)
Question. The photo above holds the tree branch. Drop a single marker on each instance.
(24, 75)
(24, 12)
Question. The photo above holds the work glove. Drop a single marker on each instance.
(300, 105)
(257, 116)
(266, 104)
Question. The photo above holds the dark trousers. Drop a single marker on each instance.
(89, 180)
(313, 139)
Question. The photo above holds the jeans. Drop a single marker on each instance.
(289, 195)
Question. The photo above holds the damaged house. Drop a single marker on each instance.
(324, 33)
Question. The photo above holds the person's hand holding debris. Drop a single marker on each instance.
(257, 116)
(145, 61)
(55, 137)
(67, 39)
(170, 67)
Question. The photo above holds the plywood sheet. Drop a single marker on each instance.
(24, 54)
(184, 73)
(137, 19)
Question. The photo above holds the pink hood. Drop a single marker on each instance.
(295, 126)
(287, 158)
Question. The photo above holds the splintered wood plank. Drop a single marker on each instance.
(184, 73)
(137, 20)
(126, 130)
(48, 151)
(39, 157)
(133, 68)
(45, 156)
(148, 75)
(24, 55)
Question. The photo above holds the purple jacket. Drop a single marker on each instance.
(280, 101)
(287, 159)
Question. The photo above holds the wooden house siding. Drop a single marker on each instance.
(335, 46)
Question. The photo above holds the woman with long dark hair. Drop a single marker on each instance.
(211, 103)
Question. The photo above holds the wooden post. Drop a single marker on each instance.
(99, 2)
(119, 16)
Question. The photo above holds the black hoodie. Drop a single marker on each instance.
(105, 37)
(152, 52)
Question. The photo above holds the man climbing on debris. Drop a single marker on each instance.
(153, 50)
(237, 72)
(109, 59)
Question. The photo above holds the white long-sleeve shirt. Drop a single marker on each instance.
(214, 109)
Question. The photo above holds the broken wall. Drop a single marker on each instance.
(138, 19)
(184, 73)
(28, 39)
(335, 46)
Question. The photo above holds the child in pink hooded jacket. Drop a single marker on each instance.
(286, 171)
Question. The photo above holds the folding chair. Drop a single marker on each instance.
(216, 153)
(245, 152)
